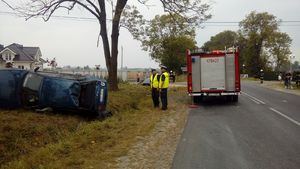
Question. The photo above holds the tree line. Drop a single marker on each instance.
(262, 45)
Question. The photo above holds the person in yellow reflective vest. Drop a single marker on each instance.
(154, 82)
(163, 87)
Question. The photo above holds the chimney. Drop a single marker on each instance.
(1, 47)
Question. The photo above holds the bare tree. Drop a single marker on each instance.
(192, 10)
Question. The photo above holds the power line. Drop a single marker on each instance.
(235, 22)
(238, 25)
(207, 23)
(56, 16)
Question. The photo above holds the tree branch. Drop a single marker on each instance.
(47, 8)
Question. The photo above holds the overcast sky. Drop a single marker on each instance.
(73, 42)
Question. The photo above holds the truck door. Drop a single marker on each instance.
(196, 74)
(212, 73)
(230, 72)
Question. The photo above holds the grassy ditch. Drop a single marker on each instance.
(49, 140)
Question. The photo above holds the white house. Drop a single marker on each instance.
(21, 57)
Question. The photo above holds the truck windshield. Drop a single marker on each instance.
(32, 82)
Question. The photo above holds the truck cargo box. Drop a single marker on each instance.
(214, 73)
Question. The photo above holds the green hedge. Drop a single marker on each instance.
(271, 76)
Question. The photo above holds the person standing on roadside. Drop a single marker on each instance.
(287, 80)
(138, 77)
(154, 82)
(163, 87)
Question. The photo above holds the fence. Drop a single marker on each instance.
(124, 75)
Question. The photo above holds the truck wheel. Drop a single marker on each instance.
(197, 99)
(229, 98)
(235, 98)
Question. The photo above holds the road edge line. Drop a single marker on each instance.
(254, 98)
(285, 116)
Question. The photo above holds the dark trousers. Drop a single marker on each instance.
(155, 97)
(164, 98)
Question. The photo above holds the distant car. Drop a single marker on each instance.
(39, 90)
(146, 82)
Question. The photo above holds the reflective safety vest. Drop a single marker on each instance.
(154, 81)
(164, 84)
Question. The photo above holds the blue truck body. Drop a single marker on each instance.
(22, 88)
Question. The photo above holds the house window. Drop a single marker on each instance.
(21, 67)
(8, 57)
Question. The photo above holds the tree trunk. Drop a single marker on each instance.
(113, 79)
(114, 44)
(111, 58)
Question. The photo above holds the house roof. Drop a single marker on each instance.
(22, 53)
(1, 47)
(31, 50)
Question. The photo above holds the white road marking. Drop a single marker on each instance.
(285, 116)
(254, 98)
(254, 101)
(284, 101)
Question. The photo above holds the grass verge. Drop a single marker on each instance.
(32, 140)
(250, 79)
(280, 85)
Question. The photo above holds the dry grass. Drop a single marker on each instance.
(22, 132)
(32, 140)
(181, 78)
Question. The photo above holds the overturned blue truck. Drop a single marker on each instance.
(49, 90)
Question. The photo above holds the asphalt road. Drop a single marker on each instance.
(261, 131)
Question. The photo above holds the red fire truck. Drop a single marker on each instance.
(214, 73)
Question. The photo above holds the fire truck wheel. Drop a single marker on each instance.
(235, 98)
(229, 98)
(197, 99)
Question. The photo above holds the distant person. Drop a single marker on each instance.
(297, 79)
(172, 76)
(154, 82)
(138, 77)
(163, 87)
(261, 76)
(287, 80)
(279, 77)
